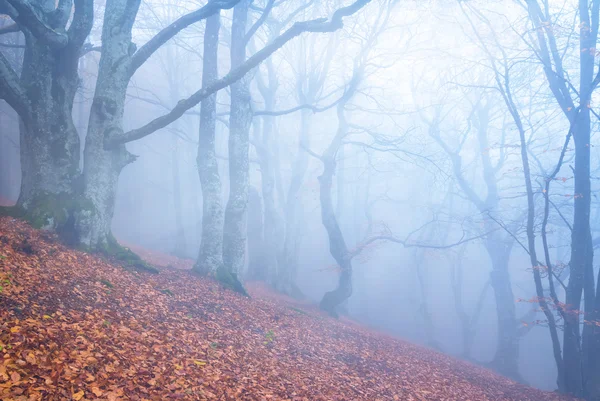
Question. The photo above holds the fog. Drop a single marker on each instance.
(412, 104)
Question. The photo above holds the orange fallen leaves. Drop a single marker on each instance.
(66, 335)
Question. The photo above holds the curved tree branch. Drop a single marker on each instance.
(11, 90)
(317, 25)
(213, 6)
(30, 18)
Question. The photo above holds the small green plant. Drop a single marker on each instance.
(214, 345)
(2, 257)
(106, 323)
(4, 283)
(298, 310)
(269, 336)
(107, 283)
(167, 292)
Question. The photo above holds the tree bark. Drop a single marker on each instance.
(234, 231)
(103, 166)
(210, 256)
(50, 146)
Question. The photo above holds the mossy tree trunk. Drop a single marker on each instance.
(43, 98)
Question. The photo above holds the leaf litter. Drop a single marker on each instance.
(74, 326)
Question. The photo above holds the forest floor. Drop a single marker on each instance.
(74, 326)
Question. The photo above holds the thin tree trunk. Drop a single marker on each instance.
(180, 241)
(537, 278)
(337, 245)
(289, 265)
(582, 250)
(256, 246)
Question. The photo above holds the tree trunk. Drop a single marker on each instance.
(582, 274)
(337, 246)
(103, 166)
(272, 220)
(507, 352)
(180, 248)
(211, 246)
(50, 147)
(234, 231)
(256, 246)
(272, 226)
(289, 265)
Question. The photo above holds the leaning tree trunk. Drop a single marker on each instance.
(102, 166)
(337, 246)
(234, 231)
(211, 246)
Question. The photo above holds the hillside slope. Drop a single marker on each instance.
(74, 326)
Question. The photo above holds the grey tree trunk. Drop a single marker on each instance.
(180, 240)
(103, 166)
(256, 246)
(50, 146)
(497, 247)
(211, 246)
(234, 231)
(337, 245)
(507, 351)
(268, 158)
(272, 224)
(289, 265)
(582, 250)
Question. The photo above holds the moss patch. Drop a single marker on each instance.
(50, 210)
(112, 249)
(230, 281)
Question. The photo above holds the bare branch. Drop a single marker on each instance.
(11, 90)
(83, 20)
(29, 17)
(140, 57)
(259, 22)
(10, 29)
(317, 25)
(407, 244)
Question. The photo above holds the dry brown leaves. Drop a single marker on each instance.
(74, 327)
